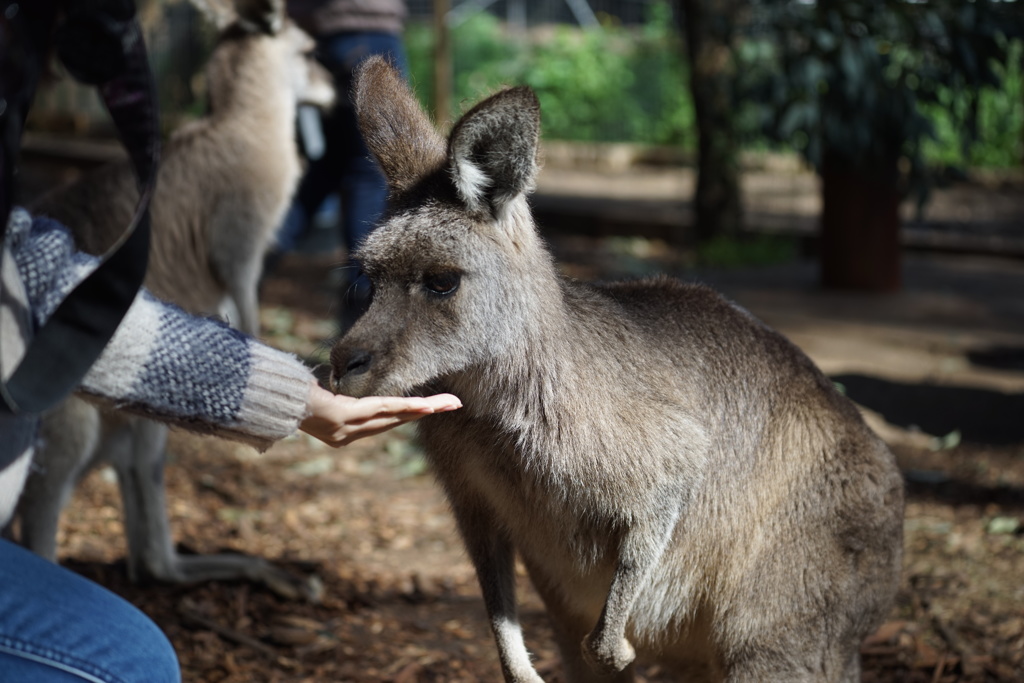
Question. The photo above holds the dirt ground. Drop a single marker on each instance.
(937, 367)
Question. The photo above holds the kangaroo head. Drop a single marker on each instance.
(279, 54)
(456, 264)
(311, 82)
(265, 16)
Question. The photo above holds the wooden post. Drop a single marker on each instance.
(860, 228)
(717, 202)
(442, 64)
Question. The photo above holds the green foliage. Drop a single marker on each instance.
(869, 82)
(876, 65)
(999, 141)
(605, 84)
(755, 250)
(662, 91)
(580, 79)
(419, 45)
(482, 42)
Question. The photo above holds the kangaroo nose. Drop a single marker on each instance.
(358, 363)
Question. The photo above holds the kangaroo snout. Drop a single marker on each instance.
(357, 363)
(350, 367)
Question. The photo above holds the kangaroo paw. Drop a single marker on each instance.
(607, 654)
(309, 589)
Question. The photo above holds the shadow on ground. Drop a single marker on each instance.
(998, 357)
(982, 416)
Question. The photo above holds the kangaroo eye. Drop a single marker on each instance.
(442, 283)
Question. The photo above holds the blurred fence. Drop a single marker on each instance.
(606, 71)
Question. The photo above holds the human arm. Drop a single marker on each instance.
(202, 375)
(198, 373)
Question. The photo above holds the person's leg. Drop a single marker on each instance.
(319, 181)
(57, 627)
(343, 147)
(293, 228)
(363, 196)
(362, 187)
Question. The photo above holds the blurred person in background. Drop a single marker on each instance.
(347, 32)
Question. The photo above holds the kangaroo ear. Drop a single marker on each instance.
(220, 13)
(394, 126)
(492, 150)
(253, 16)
(261, 16)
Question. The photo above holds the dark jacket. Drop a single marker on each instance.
(326, 17)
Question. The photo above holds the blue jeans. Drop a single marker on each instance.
(58, 627)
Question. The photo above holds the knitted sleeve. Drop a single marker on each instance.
(162, 362)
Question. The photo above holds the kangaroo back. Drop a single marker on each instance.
(679, 479)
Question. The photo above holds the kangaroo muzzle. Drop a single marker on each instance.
(350, 369)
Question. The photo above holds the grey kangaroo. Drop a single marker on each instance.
(224, 184)
(680, 481)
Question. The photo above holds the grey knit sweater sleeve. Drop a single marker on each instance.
(162, 362)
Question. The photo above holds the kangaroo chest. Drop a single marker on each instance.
(549, 517)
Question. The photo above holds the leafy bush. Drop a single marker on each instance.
(1000, 139)
(607, 84)
(582, 80)
(754, 250)
(630, 84)
(858, 79)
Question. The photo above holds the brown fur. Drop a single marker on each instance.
(679, 479)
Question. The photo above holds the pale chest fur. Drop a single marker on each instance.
(560, 519)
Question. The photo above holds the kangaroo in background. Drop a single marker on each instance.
(680, 481)
(225, 180)
(224, 184)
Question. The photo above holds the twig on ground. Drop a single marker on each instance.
(228, 633)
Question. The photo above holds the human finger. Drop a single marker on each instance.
(376, 425)
(372, 406)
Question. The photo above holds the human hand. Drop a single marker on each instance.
(338, 420)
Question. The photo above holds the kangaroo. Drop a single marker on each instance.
(225, 180)
(224, 184)
(680, 481)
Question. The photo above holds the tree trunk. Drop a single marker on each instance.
(860, 227)
(442, 64)
(717, 204)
